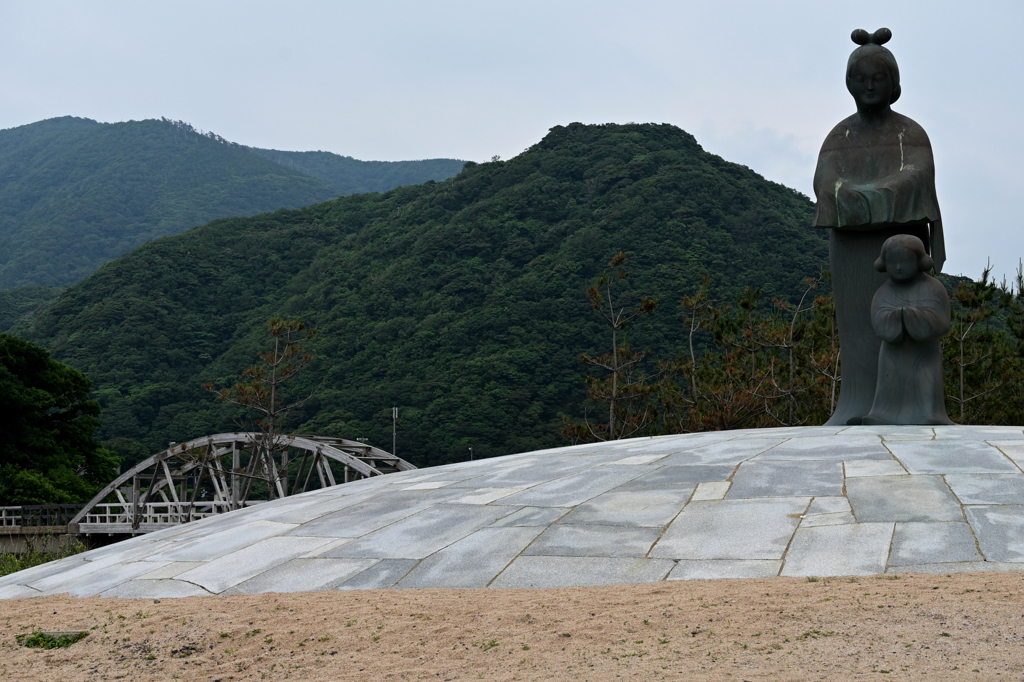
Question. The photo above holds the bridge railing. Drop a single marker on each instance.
(36, 515)
(154, 513)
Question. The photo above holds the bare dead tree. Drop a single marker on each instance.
(260, 391)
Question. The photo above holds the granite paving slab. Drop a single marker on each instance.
(155, 589)
(724, 568)
(957, 567)
(422, 534)
(828, 505)
(1000, 531)
(829, 448)
(381, 575)
(14, 591)
(932, 543)
(378, 512)
(667, 477)
(102, 580)
(1014, 449)
(473, 561)
(731, 451)
(557, 571)
(768, 478)
(987, 488)
(902, 498)
(853, 549)
(873, 467)
(655, 508)
(952, 457)
(710, 490)
(732, 529)
(532, 516)
(303, 575)
(978, 432)
(223, 542)
(53, 583)
(41, 571)
(574, 490)
(581, 541)
(231, 569)
(835, 519)
(808, 501)
(171, 570)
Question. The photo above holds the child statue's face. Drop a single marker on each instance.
(901, 263)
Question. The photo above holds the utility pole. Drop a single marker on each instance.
(394, 429)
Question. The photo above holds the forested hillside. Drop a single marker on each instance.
(352, 176)
(461, 302)
(75, 193)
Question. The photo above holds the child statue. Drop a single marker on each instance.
(909, 313)
(875, 178)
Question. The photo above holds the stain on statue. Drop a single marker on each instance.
(910, 314)
(875, 179)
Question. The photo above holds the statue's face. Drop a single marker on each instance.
(870, 84)
(901, 263)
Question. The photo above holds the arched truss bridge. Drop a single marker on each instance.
(227, 471)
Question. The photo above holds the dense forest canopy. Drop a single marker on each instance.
(47, 453)
(462, 302)
(75, 193)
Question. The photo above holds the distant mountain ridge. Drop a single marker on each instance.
(75, 193)
(352, 176)
(462, 302)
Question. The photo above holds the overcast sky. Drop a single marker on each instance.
(756, 81)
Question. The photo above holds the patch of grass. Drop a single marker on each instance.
(50, 640)
(12, 563)
(815, 634)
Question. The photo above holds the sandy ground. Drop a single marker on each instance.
(939, 627)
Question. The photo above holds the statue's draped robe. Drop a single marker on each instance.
(910, 319)
(871, 183)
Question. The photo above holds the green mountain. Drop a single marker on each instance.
(18, 305)
(461, 302)
(351, 176)
(75, 193)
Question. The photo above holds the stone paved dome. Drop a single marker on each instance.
(818, 501)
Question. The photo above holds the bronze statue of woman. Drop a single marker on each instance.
(875, 178)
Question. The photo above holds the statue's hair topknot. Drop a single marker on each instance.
(870, 45)
(879, 37)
